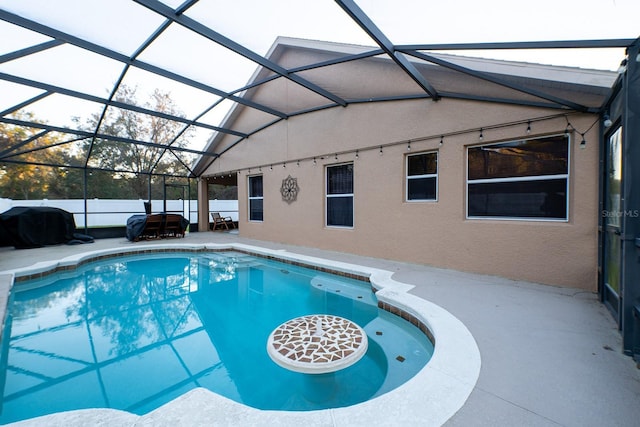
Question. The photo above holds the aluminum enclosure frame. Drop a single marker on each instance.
(403, 57)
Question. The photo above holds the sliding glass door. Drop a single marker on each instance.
(612, 223)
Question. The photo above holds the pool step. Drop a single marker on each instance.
(355, 291)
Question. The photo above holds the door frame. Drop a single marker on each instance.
(623, 108)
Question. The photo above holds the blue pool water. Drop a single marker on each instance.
(135, 332)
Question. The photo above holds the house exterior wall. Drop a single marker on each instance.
(434, 233)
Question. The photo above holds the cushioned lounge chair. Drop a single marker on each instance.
(173, 226)
(153, 227)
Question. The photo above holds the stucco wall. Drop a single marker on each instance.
(433, 233)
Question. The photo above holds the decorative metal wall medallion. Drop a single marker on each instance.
(289, 189)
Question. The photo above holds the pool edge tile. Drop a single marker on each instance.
(451, 373)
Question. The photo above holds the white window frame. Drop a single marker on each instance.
(566, 176)
(431, 175)
(328, 196)
(250, 198)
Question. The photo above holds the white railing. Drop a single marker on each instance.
(115, 212)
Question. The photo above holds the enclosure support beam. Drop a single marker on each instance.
(491, 78)
(108, 53)
(354, 11)
(204, 31)
(84, 197)
(631, 196)
(203, 204)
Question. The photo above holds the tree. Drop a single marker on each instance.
(26, 174)
(137, 161)
(223, 192)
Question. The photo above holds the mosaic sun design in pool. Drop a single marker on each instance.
(317, 343)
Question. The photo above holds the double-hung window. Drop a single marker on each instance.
(524, 179)
(422, 177)
(255, 198)
(339, 195)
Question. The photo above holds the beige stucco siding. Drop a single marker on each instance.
(434, 233)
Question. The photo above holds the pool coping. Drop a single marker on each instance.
(430, 398)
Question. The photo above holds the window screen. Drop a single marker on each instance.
(422, 177)
(519, 179)
(340, 195)
(255, 198)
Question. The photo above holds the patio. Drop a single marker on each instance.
(550, 356)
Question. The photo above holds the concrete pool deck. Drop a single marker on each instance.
(550, 356)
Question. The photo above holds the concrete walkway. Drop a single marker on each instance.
(550, 356)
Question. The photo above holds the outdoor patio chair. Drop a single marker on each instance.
(152, 227)
(173, 226)
(220, 221)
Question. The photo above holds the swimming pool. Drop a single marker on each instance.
(430, 397)
(134, 332)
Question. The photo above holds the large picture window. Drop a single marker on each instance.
(524, 179)
(339, 193)
(255, 198)
(422, 177)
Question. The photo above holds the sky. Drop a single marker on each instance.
(458, 21)
(122, 25)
